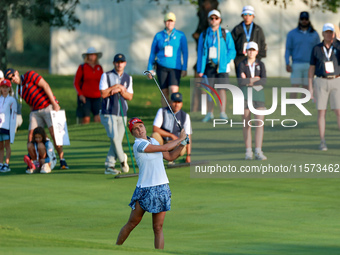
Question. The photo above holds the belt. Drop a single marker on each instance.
(329, 77)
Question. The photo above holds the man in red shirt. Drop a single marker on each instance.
(38, 95)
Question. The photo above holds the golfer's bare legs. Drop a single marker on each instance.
(223, 95)
(135, 217)
(58, 148)
(157, 224)
(166, 94)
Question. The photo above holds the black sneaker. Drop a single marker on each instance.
(63, 164)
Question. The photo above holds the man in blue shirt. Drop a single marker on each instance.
(216, 49)
(299, 45)
(167, 48)
(325, 64)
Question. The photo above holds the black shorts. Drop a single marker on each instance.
(92, 105)
(214, 77)
(167, 76)
(256, 104)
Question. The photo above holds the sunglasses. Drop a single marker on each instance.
(247, 14)
(212, 18)
(304, 19)
(10, 78)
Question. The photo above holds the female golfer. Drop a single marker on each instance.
(152, 193)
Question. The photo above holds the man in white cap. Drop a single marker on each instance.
(245, 32)
(215, 51)
(324, 64)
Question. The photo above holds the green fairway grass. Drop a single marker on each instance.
(81, 210)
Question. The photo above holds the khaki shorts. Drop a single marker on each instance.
(41, 117)
(324, 89)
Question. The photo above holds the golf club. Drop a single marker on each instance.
(153, 77)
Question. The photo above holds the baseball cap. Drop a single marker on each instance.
(304, 15)
(170, 16)
(176, 97)
(252, 45)
(8, 72)
(92, 50)
(214, 12)
(248, 9)
(119, 57)
(133, 121)
(328, 26)
(6, 83)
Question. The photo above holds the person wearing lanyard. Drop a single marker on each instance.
(245, 32)
(215, 51)
(324, 64)
(251, 77)
(167, 48)
(299, 45)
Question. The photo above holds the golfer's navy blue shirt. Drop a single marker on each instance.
(318, 59)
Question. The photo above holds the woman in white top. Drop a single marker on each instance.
(152, 193)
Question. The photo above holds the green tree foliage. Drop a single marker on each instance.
(58, 13)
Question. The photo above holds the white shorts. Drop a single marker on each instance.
(299, 74)
(324, 89)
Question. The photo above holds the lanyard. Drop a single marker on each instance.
(168, 36)
(328, 56)
(248, 34)
(252, 69)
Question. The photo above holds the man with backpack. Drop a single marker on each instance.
(216, 49)
(116, 89)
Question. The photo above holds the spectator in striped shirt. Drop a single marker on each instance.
(38, 95)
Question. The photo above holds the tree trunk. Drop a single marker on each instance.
(16, 37)
(3, 38)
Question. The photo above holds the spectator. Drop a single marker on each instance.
(116, 89)
(41, 154)
(245, 32)
(165, 128)
(324, 63)
(215, 50)
(7, 115)
(299, 45)
(169, 46)
(86, 83)
(252, 74)
(38, 95)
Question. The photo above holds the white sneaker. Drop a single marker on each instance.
(30, 171)
(208, 117)
(125, 166)
(249, 155)
(223, 116)
(323, 146)
(45, 169)
(260, 156)
(111, 170)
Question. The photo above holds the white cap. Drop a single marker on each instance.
(1, 74)
(328, 26)
(248, 9)
(214, 12)
(252, 45)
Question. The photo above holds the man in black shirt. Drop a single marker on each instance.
(324, 63)
(248, 31)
